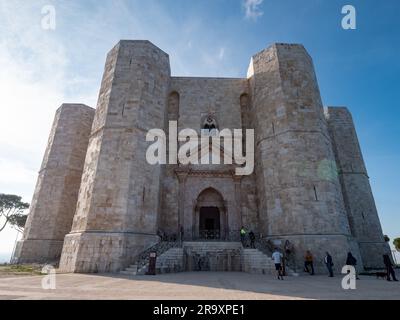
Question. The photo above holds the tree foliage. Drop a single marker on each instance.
(396, 243)
(12, 211)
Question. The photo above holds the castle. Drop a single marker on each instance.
(98, 203)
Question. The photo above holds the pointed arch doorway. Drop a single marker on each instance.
(210, 216)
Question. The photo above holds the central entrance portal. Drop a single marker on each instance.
(210, 223)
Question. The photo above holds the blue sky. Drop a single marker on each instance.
(41, 69)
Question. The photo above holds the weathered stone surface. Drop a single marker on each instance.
(53, 204)
(295, 192)
(118, 203)
(358, 198)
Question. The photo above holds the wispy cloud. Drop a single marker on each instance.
(252, 8)
(221, 53)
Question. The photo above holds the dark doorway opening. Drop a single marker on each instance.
(210, 224)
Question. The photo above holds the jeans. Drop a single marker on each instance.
(330, 269)
(390, 272)
(309, 263)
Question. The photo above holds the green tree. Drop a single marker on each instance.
(396, 243)
(12, 211)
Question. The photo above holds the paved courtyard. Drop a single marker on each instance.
(195, 285)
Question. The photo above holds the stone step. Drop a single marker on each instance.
(128, 273)
(131, 269)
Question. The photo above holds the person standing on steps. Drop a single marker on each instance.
(309, 262)
(389, 267)
(243, 233)
(181, 233)
(329, 264)
(277, 257)
(252, 238)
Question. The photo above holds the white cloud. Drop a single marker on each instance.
(252, 8)
(34, 83)
(221, 53)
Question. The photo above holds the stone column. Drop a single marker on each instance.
(53, 205)
(116, 216)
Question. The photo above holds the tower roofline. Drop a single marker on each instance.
(123, 42)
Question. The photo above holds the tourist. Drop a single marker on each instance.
(252, 238)
(309, 261)
(277, 257)
(329, 264)
(181, 233)
(243, 233)
(389, 267)
(352, 261)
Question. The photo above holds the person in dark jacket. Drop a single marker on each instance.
(352, 261)
(252, 238)
(329, 263)
(389, 267)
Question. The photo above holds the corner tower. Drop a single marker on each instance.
(357, 193)
(299, 190)
(118, 204)
(54, 201)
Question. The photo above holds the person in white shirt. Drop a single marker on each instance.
(277, 257)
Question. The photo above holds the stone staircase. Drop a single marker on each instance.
(255, 261)
(170, 261)
(212, 256)
(205, 256)
(168, 258)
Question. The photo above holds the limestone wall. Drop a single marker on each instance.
(118, 206)
(194, 99)
(54, 201)
(300, 195)
(359, 201)
(294, 194)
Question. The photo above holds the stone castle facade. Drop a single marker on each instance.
(98, 203)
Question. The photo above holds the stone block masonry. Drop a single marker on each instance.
(98, 194)
(54, 201)
(117, 211)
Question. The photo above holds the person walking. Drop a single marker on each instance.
(352, 261)
(181, 233)
(277, 257)
(389, 268)
(329, 264)
(252, 238)
(309, 262)
(243, 233)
